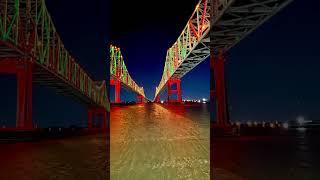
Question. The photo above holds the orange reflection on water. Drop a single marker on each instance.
(150, 140)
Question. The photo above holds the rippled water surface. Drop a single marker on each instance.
(150, 141)
(73, 158)
(292, 157)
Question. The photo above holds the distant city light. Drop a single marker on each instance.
(301, 129)
(285, 125)
(300, 120)
(271, 125)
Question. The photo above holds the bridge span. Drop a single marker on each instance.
(32, 50)
(214, 27)
(120, 77)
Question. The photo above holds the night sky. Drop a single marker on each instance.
(272, 75)
(144, 35)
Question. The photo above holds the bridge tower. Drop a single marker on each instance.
(218, 88)
(97, 113)
(157, 99)
(139, 98)
(172, 91)
(117, 87)
(22, 69)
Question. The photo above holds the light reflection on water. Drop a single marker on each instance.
(292, 157)
(76, 158)
(150, 141)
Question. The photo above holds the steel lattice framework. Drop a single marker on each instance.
(233, 20)
(27, 33)
(190, 48)
(119, 71)
(220, 24)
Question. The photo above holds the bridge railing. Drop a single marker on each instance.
(119, 70)
(196, 29)
(27, 25)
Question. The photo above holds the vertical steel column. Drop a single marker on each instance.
(176, 91)
(220, 89)
(179, 99)
(24, 95)
(117, 88)
(97, 113)
(104, 118)
(139, 98)
(157, 100)
(90, 118)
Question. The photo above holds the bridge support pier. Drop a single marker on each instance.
(22, 68)
(117, 87)
(139, 98)
(218, 88)
(95, 113)
(176, 91)
(157, 100)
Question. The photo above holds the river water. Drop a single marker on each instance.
(73, 158)
(292, 157)
(155, 142)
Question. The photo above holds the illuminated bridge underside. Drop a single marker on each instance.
(127, 86)
(191, 47)
(120, 74)
(28, 36)
(232, 21)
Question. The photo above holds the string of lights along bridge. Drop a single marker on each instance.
(120, 77)
(31, 49)
(214, 27)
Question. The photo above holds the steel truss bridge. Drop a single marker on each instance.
(214, 27)
(120, 77)
(31, 49)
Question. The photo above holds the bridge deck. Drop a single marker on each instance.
(233, 20)
(44, 76)
(126, 86)
(230, 22)
(47, 78)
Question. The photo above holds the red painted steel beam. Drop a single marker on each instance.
(139, 98)
(176, 91)
(97, 113)
(117, 89)
(219, 91)
(22, 68)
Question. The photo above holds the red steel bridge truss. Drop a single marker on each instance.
(214, 27)
(31, 49)
(119, 76)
